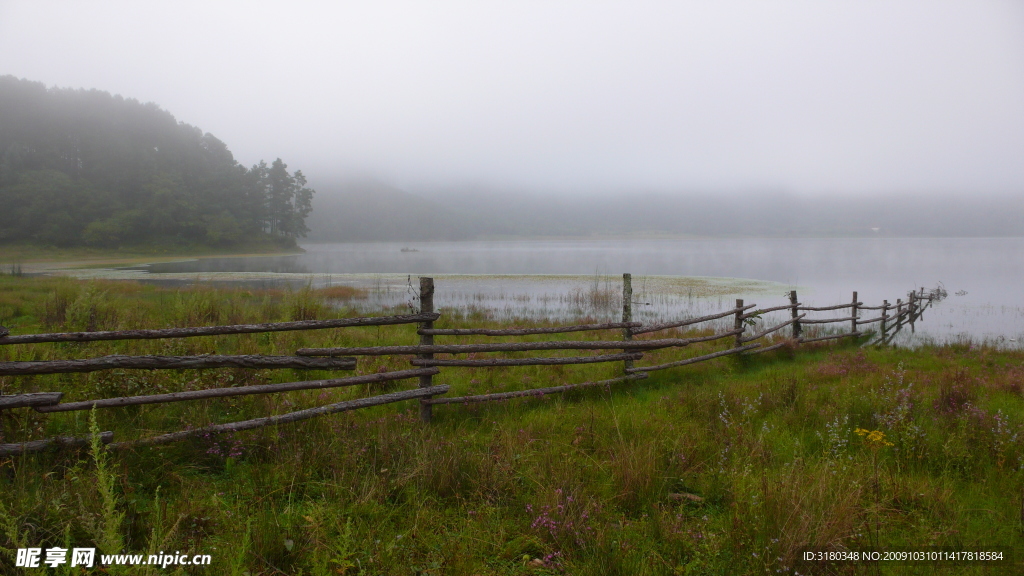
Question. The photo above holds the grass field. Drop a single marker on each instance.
(731, 466)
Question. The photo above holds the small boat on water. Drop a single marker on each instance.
(409, 250)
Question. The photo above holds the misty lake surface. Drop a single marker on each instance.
(673, 278)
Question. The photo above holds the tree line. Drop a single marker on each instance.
(84, 167)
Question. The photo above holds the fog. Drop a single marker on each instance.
(361, 211)
(806, 98)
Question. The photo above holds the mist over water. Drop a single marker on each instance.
(982, 275)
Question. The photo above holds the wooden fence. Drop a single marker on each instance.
(628, 349)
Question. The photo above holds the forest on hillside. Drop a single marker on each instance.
(84, 167)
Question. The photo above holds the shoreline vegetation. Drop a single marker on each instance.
(733, 466)
(14, 254)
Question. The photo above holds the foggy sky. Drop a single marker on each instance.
(808, 97)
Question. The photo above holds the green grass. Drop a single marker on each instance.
(726, 467)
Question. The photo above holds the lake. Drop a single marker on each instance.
(673, 277)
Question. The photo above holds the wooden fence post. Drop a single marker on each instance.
(911, 307)
(853, 315)
(738, 323)
(885, 318)
(627, 314)
(426, 307)
(795, 313)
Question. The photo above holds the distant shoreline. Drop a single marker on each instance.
(656, 236)
(26, 254)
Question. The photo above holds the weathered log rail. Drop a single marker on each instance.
(825, 308)
(60, 441)
(285, 418)
(425, 366)
(761, 311)
(547, 361)
(533, 392)
(691, 321)
(775, 328)
(830, 337)
(828, 320)
(497, 347)
(527, 331)
(216, 330)
(254, 362)
(31, 399)
(694, 360)
(236, 391)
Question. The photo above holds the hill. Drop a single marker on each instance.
(84, 167)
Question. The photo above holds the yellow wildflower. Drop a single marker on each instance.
(873, 439)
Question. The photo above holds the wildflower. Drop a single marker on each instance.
(873, 439)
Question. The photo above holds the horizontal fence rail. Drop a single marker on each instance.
(236, 391)
(30, 400)
(827, 308)
(525, 331)
(775, 346)
(285, 418)
(425, 366)
(830, 337)
(760, 311)
(695, 359)
(217, 330)
(828, 320)
(775, 328)
(498, 347)
(688, 322)
(60, 441)
(552, 361)
(532, 392)
(173, 363)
